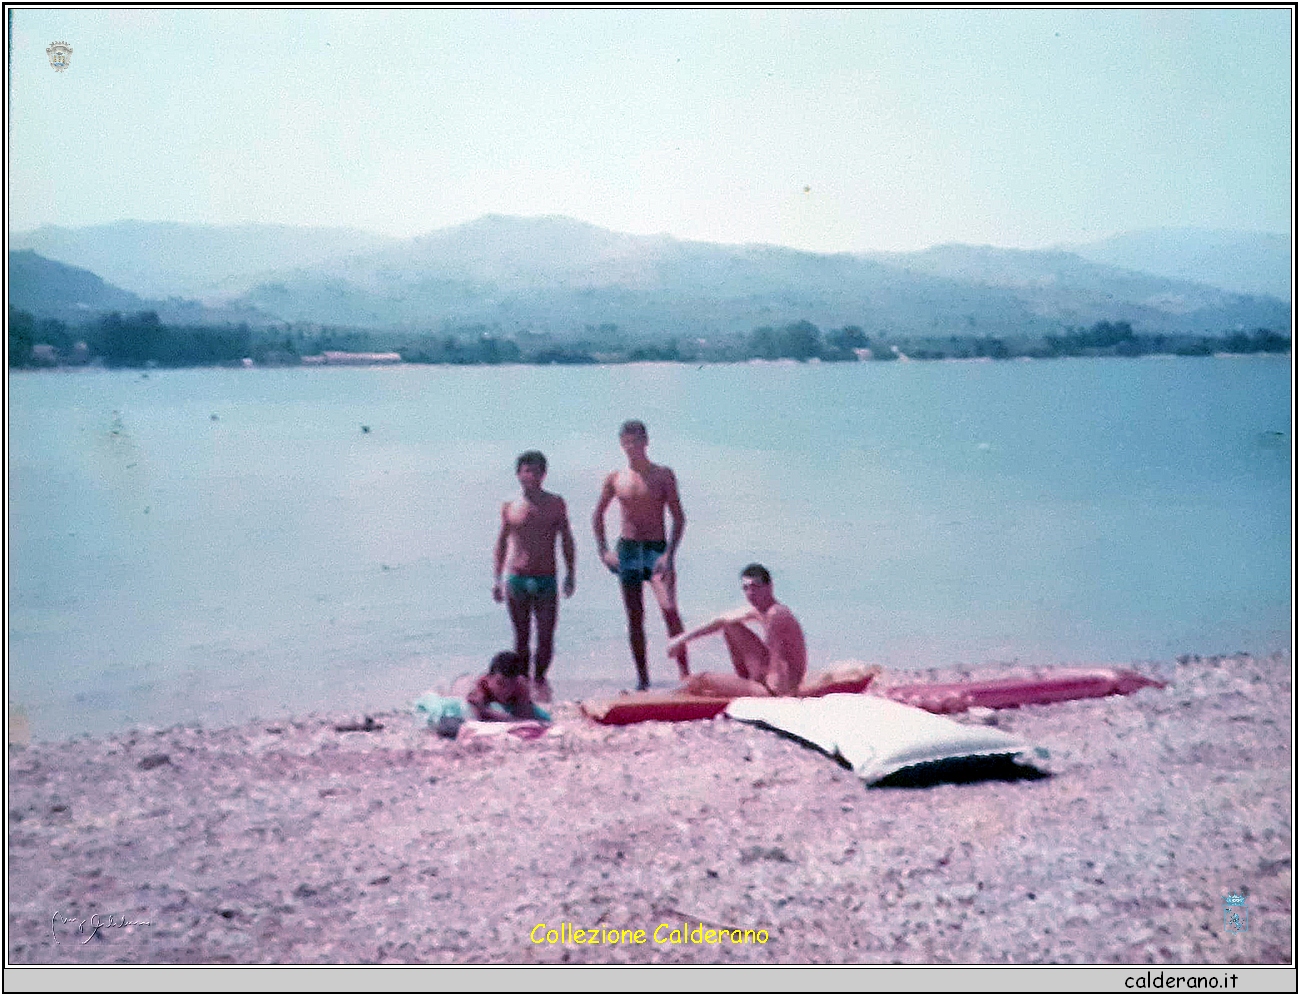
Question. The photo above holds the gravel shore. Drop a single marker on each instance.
(293, 842)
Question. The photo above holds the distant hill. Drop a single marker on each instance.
(1242, 262)
(49, 289)
(563, 276)
(44, 287)
(1074, 291)
(165, 259)
(572, 279)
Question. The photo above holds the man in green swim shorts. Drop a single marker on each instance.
(529, 527)
(644, 490)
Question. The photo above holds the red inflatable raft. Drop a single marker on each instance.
(1007, 693)
(638, 707)
(947, 697)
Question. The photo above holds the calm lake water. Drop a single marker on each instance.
(214, 545)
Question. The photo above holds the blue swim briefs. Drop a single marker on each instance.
(531, 585)
(637, 559)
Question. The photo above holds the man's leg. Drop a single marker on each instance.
(520, 607)
(722, 686)
(665, 588)
(636, 630)
(546, 609)
(749, 654)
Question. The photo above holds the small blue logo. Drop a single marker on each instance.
(1235, 916)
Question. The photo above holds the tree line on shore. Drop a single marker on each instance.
(142, 340)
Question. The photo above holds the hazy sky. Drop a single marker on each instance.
(827, 130)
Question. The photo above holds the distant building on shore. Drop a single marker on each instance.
(339, 358)
(45, 355)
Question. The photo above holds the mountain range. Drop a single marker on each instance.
(566, 277)
(50, 289)
(1241, 262)
(160, 260)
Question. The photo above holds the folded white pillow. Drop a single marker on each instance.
(875, 736)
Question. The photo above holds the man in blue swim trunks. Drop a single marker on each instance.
(529, 527)
(644, 490)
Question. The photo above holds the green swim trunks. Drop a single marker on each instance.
(531, 585)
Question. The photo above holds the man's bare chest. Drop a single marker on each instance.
(633, 487)
(527, 515)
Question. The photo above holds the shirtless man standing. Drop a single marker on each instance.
(772, 666)
(643, 491)
(529, 526)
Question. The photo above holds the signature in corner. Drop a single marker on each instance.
(95, 922)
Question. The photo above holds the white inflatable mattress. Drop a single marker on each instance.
(876, 736)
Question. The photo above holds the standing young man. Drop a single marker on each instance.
(644, 490)
(529, 527)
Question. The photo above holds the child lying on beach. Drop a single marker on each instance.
(503, 693)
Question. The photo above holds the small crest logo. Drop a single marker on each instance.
(60, 53)
(1235, 916)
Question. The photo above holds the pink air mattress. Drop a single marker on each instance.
(1006, 693)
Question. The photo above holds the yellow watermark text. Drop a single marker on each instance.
(567, 934)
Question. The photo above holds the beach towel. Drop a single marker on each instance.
(520, 729)
(447, 714)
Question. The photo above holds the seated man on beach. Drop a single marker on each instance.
(505, 686)
(773, 665)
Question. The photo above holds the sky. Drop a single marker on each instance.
(852, 129)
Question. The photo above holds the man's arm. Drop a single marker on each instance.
(567, 548)
(518, 702)
(598, 522)
(727, 618)
(478, 699)
(499, 554)
(678, 528)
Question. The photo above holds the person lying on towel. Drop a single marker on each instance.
(503, 693)
(773, 665)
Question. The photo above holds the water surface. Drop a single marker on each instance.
(213, 545)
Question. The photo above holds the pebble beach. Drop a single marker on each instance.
(292, 841)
